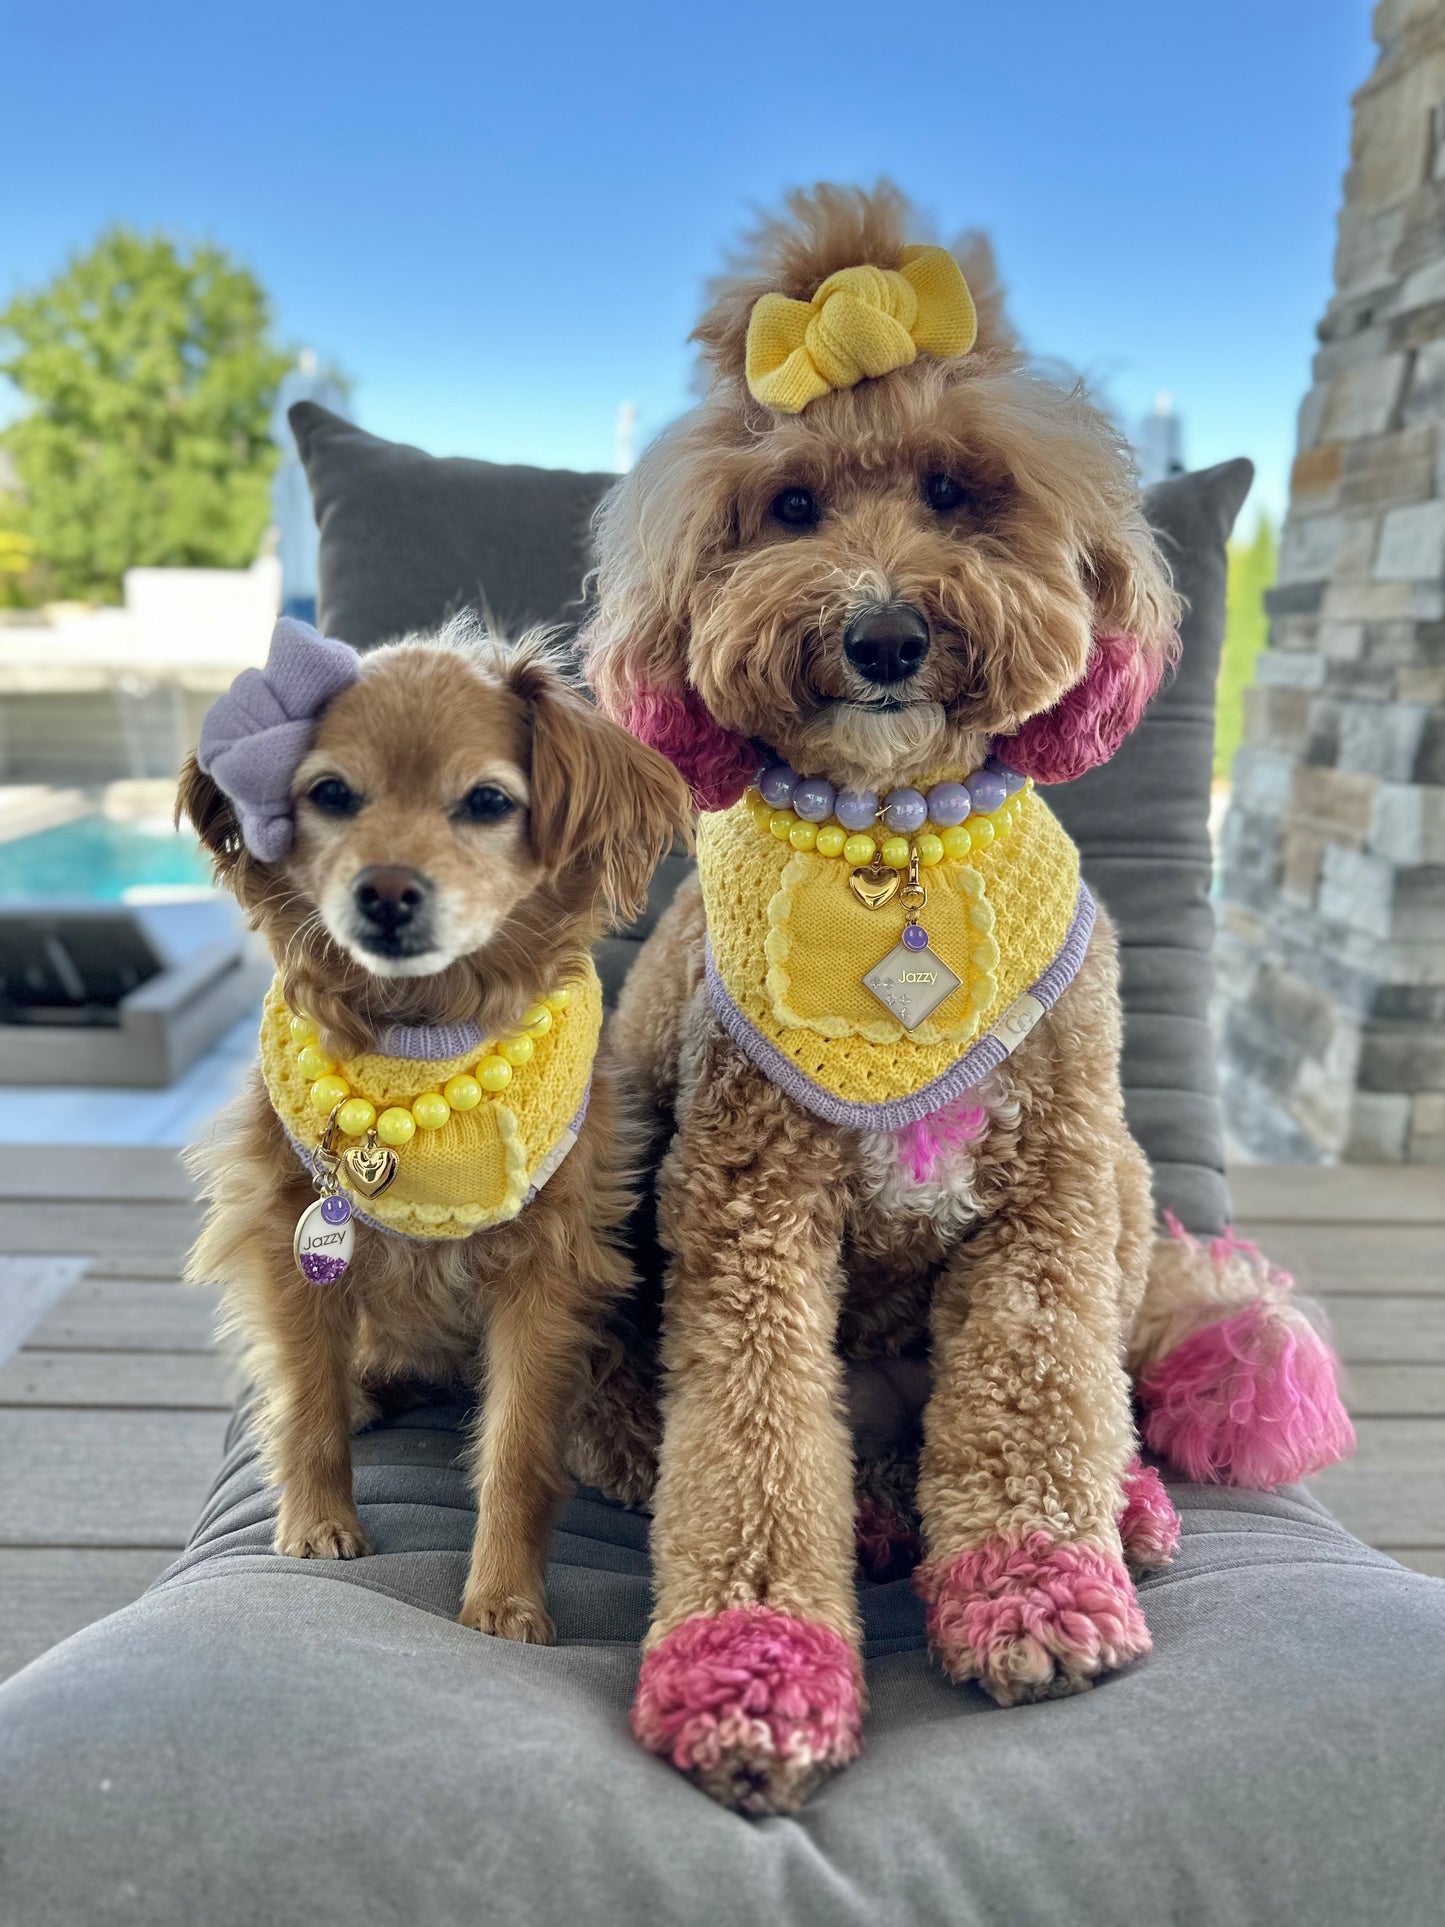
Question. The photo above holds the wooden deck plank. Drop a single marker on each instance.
(1336, 1194)
(130, 1315)
(1397, 1331)
(107, 1478)
(1396, 1391)
(161, 1381)
(1392, 1493)
(104, 1173)
(51, 1592)
(149, 1240)
(29, 1286)
(1368, 1260)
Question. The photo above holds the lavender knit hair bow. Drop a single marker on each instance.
(255, 735)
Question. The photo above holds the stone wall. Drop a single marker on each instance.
(1332, 942)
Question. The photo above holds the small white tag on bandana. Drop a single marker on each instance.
(1017, 1021)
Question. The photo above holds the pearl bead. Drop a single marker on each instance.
(930, 851)
(559, 999)
(983, 833)
(494, 1073)
(314, 1062)
(517, 1050)
(462, 1092)
(905, 812)
(860, 849)
(431, 1110)
(1012, 781)
(537, 1020)
(776, 785)
(813, 799)
(948, 804)
(396, 1126)
(856, 809)
(895, 852)
(328, 1092)
(803, 836)
(303, 1031)
(987, 792)
(762, 813)
(957, 842)
(356, 1117)
(831, 840)
(781, 823)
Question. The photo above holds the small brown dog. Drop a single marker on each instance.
(869, 559)
(430, 838)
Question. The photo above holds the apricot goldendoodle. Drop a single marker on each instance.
(898, 575)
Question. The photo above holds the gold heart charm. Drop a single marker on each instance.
(369, 1166)
(875, 884)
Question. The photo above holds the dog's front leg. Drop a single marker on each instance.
(752, 1681)
(306, 1420)
(1027, 1439)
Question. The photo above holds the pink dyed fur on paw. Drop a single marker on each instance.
(1031, 1619)
(1148, 1525)
(753, 1705)
(1251, 1400)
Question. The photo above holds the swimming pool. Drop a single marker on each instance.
(101, 861)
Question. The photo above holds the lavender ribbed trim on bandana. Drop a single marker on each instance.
(431, 1043)
(977, 1061)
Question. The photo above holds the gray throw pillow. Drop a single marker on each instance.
(408, 539)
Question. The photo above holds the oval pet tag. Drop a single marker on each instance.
(325, 1240)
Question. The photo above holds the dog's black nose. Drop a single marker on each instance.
(390, 896)
(886, 642)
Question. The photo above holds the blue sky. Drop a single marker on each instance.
(498, 220)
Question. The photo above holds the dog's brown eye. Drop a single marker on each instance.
(797, 507)
(333, 797)
(943, 494)
(485, 804)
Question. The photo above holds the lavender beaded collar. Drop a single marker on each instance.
(903, 811)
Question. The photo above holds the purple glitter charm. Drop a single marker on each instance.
(325, 1240)
(915, 938)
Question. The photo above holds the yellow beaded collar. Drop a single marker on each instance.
(479, 1143)
(790, 944)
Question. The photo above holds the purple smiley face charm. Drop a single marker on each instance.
(325, 1240)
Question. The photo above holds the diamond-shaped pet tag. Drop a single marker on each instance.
(911, 983)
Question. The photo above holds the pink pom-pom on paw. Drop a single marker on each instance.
(1148, 1525)
(1252, 1400)
(754, 1705)
(1030, 1619)
(1088, 722)
(717, 763)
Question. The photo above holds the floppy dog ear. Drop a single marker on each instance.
(600, 798)
(201, 800)
(1135, 612)
(716, 763)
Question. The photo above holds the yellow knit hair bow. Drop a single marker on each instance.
(862, 321)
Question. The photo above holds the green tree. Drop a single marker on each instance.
(149, 369)
(1253, 566)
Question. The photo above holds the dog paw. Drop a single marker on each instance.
(1030, 1619)
(754, 1706)
(508, 1616)
(1148, 1525)
(340, 1538)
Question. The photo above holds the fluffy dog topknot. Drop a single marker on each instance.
(999, 507)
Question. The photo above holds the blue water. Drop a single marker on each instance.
(100, 861)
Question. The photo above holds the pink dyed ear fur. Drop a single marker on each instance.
(717, 763)
(1087, 725)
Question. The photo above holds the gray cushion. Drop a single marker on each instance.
(265, 1739)
(408, 539)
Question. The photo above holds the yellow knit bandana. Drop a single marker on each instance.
(790, 944)
(862, 321)
(482, 1166)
